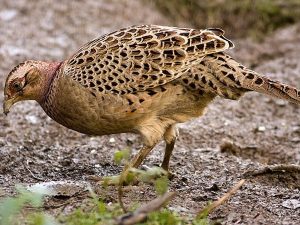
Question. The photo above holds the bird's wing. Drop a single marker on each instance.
(141, 57)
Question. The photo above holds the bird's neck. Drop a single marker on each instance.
(49, 73)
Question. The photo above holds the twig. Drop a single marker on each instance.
(282, 168)
(141, 213)
(220, 201)
(31, 173)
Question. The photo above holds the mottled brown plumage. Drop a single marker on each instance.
(141, 79)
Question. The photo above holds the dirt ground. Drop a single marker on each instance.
(259, 130)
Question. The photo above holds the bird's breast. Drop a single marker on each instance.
(77, 108)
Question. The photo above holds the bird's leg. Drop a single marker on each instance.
(168, 152)
(138, 158)
(135, 162)
(170, 137)
(141, 155)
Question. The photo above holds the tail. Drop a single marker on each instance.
(256, 82)
(236, 76)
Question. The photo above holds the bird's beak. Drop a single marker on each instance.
(7, 104)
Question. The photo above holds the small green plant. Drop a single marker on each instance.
(11, 207)
(161, 185)
(94, 216)
(121, 156)
(41, 219)
(165, 217)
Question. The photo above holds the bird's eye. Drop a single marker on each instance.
(17, 86)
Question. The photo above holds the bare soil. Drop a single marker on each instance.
(212, 153)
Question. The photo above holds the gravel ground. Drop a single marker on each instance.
(212, 153)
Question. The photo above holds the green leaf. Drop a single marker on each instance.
(41, 219)
(102, 207)
(164, 217)
(161, 185)
(119, 156)
(9, 208)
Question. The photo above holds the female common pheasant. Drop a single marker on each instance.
(142, 79)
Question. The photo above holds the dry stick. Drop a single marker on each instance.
(141, 213)
(221, 200)
(281, 168)
(31, 173)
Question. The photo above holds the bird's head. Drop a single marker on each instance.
(29, 80)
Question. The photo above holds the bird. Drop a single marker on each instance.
(142, 79)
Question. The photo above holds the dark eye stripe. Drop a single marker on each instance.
(26, 74)
(26, 81)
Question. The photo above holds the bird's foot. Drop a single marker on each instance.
(156, 172)
(134, 176)
(171, 175)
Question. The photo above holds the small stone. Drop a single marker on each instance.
(93, 152)
(59, 188)
(75, 160)
(32, 119)
(7, 15)
(296, 129)
(97, 165)
(178, 209)
(2, 143)
(280, 102)
(261, 128)
(291, 204)
(112, 140)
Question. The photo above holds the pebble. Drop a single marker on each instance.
(7, 15)
(112, 140)
(93, 152)
(227, 122)
(76, 161)
(261, 128)
(59, 188)
(32, 119)
(291, 204)
(281, 102)
(178, 209)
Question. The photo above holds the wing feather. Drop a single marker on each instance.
(141, 57)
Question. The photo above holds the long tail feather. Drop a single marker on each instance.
(256, 82)
(234, 75)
